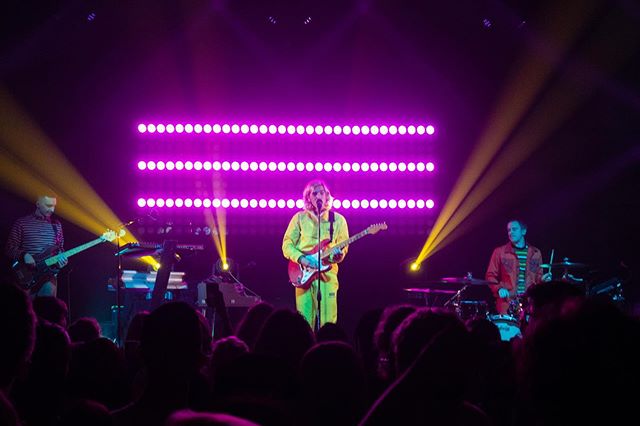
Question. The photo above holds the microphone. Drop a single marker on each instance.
(319, 205)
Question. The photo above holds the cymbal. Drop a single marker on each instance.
(465, 280)
(564, 264)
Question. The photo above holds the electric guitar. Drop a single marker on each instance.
(301, 276)
(30, 276)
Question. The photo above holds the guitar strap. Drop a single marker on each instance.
(332, 217)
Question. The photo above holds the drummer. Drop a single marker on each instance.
(514, 267)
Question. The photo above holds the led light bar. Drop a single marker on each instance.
(281, 203)
(281, 166)
(290, 129)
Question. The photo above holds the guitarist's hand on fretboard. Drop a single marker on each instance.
(62, 260)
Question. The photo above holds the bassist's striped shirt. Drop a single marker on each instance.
(33, 234)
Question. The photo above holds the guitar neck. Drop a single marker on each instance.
(345, 243)
(54, 259)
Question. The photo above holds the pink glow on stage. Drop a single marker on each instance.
(288, 129)
(280, 203)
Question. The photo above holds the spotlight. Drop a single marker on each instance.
(272, 20)
(415, 267)
(225, 267)
(307, 20)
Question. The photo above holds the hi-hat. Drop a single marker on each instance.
(465, 280)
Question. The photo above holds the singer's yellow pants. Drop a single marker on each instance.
(307, 303)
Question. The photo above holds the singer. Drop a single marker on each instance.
(300, 245)
(34, 233)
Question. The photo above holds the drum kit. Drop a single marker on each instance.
(470, 298)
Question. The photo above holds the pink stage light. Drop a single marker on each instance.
(282, 166)
(291, 129)
(281, 203)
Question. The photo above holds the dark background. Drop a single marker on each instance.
(88, 71)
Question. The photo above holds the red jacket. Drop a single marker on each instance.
(503, 271)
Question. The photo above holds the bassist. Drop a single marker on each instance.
(300, 244)
(31, 235)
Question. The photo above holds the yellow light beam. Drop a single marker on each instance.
(563, 98)
(522, 88)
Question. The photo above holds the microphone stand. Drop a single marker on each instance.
(118, 282)
(319, 292)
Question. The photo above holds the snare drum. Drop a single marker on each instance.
(507, 325)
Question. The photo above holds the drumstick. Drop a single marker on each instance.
(551, 260)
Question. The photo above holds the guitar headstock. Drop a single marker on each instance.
(376, 227)
(111, 235)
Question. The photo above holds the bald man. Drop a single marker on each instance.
(31, 235)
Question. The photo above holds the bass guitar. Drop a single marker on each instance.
(301, 276)
(30, 276)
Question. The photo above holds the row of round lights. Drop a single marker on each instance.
(291, 129)
(290, 166)
(281, 203)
